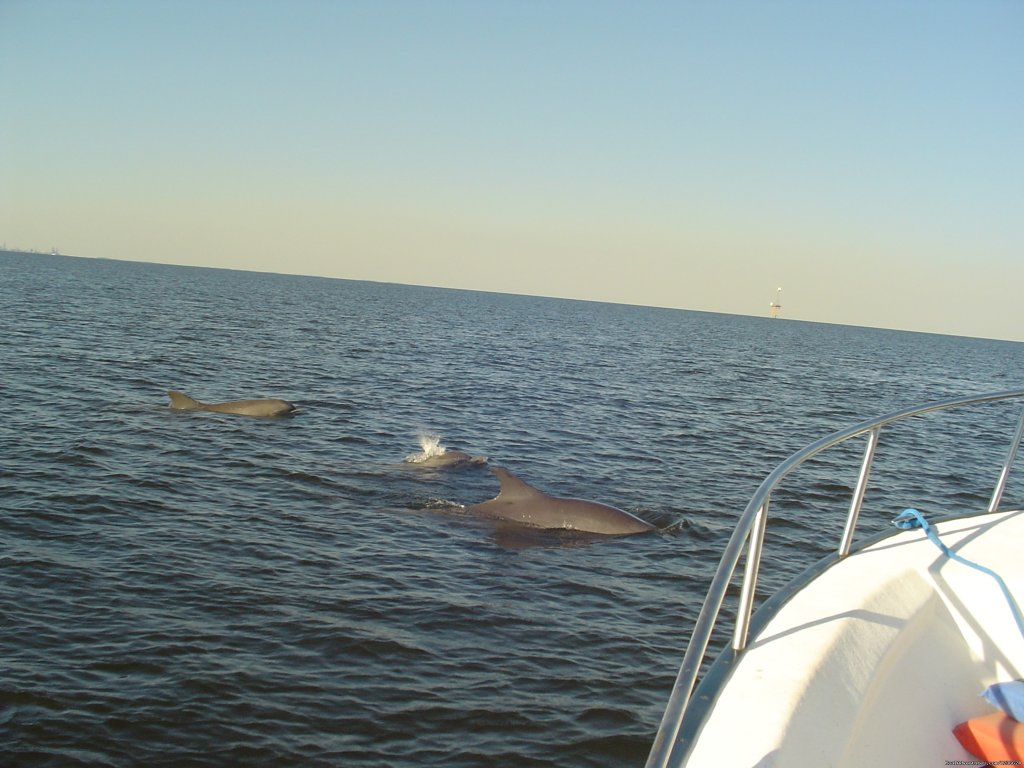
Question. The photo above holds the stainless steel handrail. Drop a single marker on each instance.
(752, 524)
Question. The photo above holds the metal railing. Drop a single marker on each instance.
(752, 524)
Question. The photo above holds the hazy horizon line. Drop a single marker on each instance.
(54, 252)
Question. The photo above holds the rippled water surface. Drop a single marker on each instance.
(192, 588)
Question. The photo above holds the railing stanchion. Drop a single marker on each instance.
(746, 606)
(997, 494)
(858, 492)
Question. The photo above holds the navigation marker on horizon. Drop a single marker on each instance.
(776, 305)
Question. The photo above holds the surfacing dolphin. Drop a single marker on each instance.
(521, 503)
(447, 459)
(270, 407)
(436, 456)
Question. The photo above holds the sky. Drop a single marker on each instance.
(865, 157)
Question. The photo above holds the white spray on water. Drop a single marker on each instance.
(431, 445)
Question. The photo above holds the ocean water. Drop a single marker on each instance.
(202, 589)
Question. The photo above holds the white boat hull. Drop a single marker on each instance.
(875, 661)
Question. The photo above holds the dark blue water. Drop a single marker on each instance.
(204, 589)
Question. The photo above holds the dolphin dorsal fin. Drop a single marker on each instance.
(512, 487)
(181, 401)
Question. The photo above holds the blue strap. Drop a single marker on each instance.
(909, 519)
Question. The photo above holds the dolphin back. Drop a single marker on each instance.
(594, 517)
(268, 407)
(521, 503)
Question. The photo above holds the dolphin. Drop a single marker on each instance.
(445, 460)
(521, 503)
(436, 456)
(271, 407)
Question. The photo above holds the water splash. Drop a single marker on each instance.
(430, 445)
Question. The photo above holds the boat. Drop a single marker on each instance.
(878, 654)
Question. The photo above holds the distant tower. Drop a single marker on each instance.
(776, 305)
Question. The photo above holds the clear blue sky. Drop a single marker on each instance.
(867, 157)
